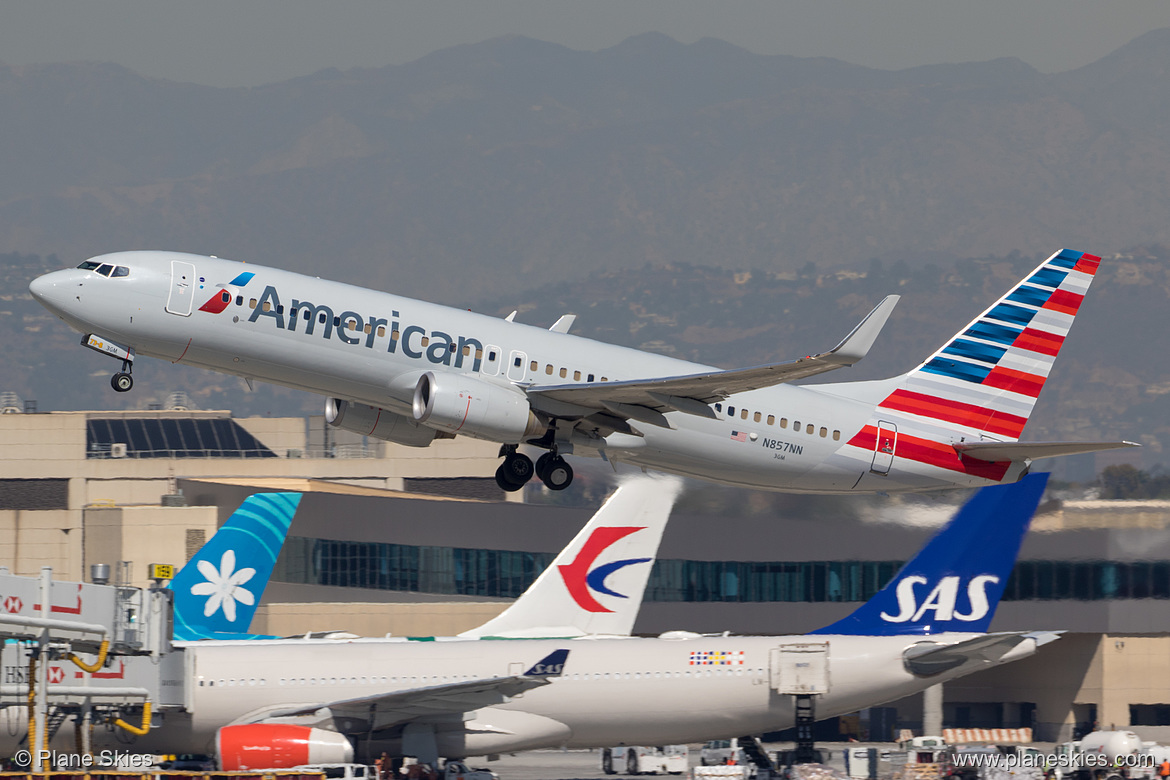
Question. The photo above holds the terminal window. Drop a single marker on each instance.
(171, 437)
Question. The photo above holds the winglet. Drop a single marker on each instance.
(564, 323)
(552, 665)
(856, 345)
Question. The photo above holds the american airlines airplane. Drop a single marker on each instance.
(289, 702)
(410, 372)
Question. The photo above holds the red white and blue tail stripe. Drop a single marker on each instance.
(986, 379)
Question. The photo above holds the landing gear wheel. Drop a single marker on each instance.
(556, 474)
(514, 472)
(631, 759)
(121, 382)
(607, 761)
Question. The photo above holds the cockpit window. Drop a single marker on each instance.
(120, 270)
(105, 269)
(88, 265)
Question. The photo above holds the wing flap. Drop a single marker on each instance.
(711, 386)
(998, 451)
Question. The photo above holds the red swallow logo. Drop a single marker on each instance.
(578, 577)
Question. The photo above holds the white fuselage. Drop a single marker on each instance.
(611, 691)
(372, 347)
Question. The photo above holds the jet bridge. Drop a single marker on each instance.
(64, 650)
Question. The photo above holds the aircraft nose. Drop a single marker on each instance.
(50, 289)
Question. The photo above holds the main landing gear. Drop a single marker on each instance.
(517, 469)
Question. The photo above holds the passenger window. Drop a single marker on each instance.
(240, 302)
(517, 362)
(466, 350)
(756, 417)
(719, 407)
(836, 435)
(381, 330)
(564, 373)
(491, 355)
(809, 428)
(105, 269)
(576, 376)
(252, 305)
(121, 270)
(783, 422)
(225, 296)
(795, 426)
(533, 366)
(731, 411)
(604, 379)
(426, 342)
(743, 413)
(824, 432)
(548, 369)
(322, 318)
(590, 379)
(771, 419)
(267, 305)
(368, 329)
(479, 354)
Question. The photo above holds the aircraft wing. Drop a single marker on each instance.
(382, 710)
(927, 658)
(1032, 450)
(692, 392)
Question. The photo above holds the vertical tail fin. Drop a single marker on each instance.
(956, 580)
(987, 377)
(217, 592)
(595, 584)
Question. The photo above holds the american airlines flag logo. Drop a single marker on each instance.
(739, 435)
(717, 658)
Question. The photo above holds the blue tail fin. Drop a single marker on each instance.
(217, 592)
(956, 580)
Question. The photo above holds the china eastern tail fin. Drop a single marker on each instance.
(956, 580)
(217, 592)
(595, 584)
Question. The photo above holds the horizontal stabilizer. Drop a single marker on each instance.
(926, 659)
(994, 451)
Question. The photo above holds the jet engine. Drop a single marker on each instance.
(376, 422)
(278, 746)
(458, 403)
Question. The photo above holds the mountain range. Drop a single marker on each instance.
(485, 169)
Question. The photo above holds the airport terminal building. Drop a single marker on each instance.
(414, 542)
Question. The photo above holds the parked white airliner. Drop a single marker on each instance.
(269, 704)
(407, 371)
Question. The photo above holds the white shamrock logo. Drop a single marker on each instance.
(224, 587)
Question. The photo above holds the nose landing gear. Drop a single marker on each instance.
(122, 381)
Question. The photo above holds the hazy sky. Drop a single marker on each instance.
(250, 42)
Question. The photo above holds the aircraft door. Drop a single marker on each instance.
(883, 451)
(516, 362)
(182, 288)
(491, 362)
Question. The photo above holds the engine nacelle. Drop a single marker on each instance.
(278, 746)
(463, 404)
(376, 422)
